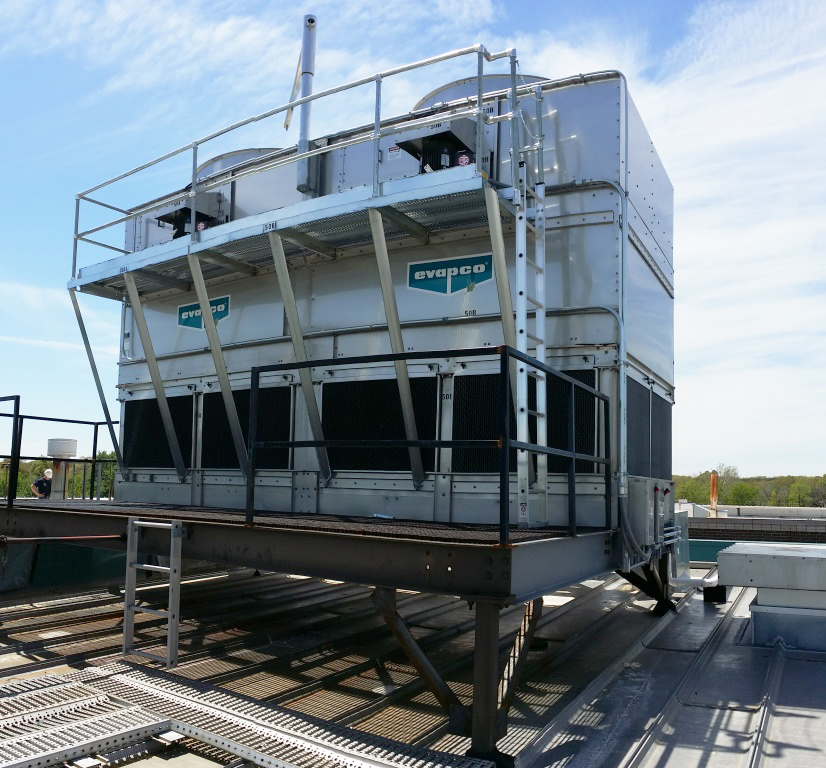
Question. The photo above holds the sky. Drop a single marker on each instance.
(732, 94)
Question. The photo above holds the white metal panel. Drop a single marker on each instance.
(649, 188)
(582, 132)
(649, 319)
(780, 566)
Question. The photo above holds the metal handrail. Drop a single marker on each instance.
(15, 457)
(373, 135)
(504, 443)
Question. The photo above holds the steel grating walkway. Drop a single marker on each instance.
(48, 720)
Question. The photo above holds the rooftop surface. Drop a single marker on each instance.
(607, 684)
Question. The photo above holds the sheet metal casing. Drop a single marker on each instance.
(592, 133)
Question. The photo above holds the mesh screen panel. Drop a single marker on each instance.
(639, 429)
(660, 437)
(144, 438)
(371, 410)
(218, 451)
(476, 417)
(585, 422)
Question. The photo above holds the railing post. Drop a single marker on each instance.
(572, 460)
(376, 138)
(94, 463)
(606, 415)
(504, 444)
(193, 206)
(74, 242)
(252, 437)
(14, 464)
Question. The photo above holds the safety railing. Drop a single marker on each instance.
(504, 442)
(90, 467)
(381, 128)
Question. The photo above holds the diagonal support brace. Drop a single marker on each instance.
(515, 665)
(391, 311)
(385, 602)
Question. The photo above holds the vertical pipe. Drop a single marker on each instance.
(713, 495)
(480, 122)
(572, 460)
(504, 444)
(252, 436)
(514, 131)
(376, 137)
(307, 73)
(14, 464)
(94, 462)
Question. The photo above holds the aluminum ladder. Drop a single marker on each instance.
(529, 204)
(130, 603)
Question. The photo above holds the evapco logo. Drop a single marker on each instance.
(450, 275)
(189, 315)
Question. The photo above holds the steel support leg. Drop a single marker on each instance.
(96, 377)
(218, 362)
(154, 374)
(391, 311)
(485, 722)
(299, 350)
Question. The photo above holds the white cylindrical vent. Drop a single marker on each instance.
(62, 448)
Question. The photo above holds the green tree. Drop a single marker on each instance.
(743, 494)
(692, 489)
(819, 493)
(800, 493)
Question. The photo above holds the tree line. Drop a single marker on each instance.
(784, 491)
(32, 470)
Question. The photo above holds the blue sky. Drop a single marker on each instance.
(731, 92)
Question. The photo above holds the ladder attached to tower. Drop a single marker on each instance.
(529, 204)
(130, 603)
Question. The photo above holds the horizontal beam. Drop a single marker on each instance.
(164, 281)
(474, 571)
(311, 243)
(404, 222)
(220, 260)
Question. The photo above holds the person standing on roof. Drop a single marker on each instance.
(42, 487)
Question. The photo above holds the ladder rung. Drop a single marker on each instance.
(147, 655)
(534, 301)
(531, 227)
(152, 568)
(537, 339)
(535, 267)
(536, 375)
(150, 524)
(538, 414)
(146, 609)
